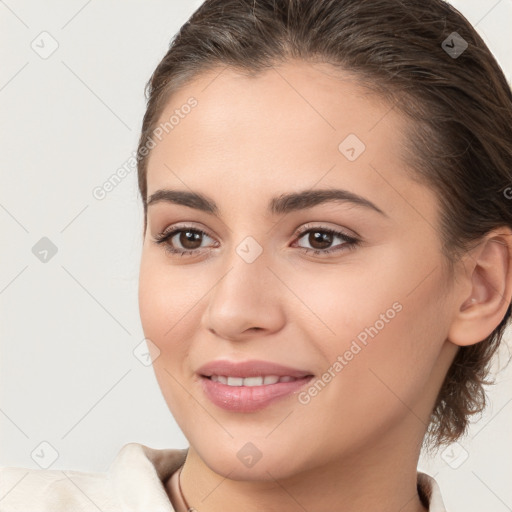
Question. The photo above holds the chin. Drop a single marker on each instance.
(248, 463)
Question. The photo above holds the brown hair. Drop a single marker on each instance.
(460, 107)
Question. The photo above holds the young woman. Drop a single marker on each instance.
(326, 265)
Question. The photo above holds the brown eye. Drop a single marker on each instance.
(320, 240)
(182, 241)
(189, 239)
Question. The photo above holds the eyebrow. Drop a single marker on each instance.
(279, 205)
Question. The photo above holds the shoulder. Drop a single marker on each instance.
(133, 480)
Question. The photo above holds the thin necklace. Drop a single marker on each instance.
(189, 509)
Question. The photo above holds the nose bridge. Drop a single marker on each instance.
(247, 277)
(247, 294)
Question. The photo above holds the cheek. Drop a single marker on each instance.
(166, 312)
(355, 300)
(163, 309)
(166, 301)
(387, 329)
(378, 383)
(402, 356)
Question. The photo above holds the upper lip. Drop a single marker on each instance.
(252, 368)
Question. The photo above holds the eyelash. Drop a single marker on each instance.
(163, 238)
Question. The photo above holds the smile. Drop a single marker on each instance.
(250, 394)
(251, 381)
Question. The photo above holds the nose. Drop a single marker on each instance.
(247, 300)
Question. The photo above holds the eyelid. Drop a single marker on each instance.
(350, 240)
(350, 233)
(184, 225)
(297, 233)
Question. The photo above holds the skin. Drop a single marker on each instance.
(355, 445)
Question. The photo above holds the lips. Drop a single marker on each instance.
(236, 386)
(252, 368)
(251, 381)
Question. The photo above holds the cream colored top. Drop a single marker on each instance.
(133, 482)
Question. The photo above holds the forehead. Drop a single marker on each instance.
(309, 101)
(292, 126)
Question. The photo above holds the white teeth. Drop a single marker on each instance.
(235, 381)
(251, 381)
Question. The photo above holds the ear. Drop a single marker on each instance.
(488, 277)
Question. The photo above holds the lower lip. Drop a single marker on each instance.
(249, 398)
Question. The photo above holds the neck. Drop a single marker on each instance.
(381, 478)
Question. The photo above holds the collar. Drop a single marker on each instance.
(428, 487)
(138, 474)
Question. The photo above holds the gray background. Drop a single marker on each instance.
(69, 326)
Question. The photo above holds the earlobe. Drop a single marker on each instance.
(489, 278)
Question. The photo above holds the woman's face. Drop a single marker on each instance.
(269, 281)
